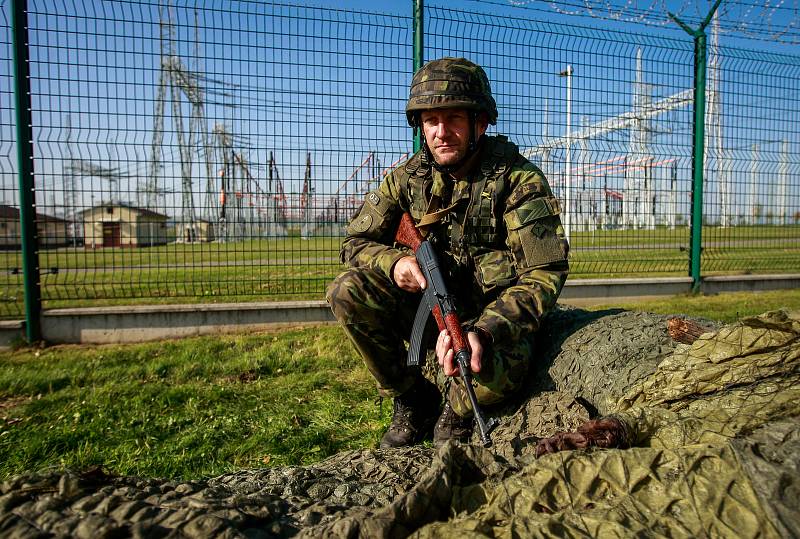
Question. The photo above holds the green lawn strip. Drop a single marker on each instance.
(283, 283)
(297, 251)
(242, 287)
(276, 269)
(681, 235)
(188, 408)
(270, 282)
(726, 307)
(292, 250)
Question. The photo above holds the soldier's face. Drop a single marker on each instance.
(447, 133)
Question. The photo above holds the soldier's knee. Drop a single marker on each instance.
(342, 293)
(340, 286)
(507, 368)
(498, 382)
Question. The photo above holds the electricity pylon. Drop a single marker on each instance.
(178, 79)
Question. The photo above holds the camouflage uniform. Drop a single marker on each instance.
(505, 255)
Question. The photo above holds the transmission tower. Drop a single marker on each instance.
(306, 201)
(178, 79)
(783, 180)
(276, 210)
(224, 147)
(247, 197)
(716, 146)
(71, 197)
(77, 168)
(237, 217)
(754, 209)
(638, 198)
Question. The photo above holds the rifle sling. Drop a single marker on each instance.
(434, 217)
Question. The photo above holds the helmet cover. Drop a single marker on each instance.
(450, 83)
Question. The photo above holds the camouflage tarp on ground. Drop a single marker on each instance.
(718, 454)
(700, 421)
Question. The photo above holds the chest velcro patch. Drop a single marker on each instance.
(533, 233)
(531, 211)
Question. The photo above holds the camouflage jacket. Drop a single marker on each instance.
(502, 243)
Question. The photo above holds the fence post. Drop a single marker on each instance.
(698, 147)
(27, 198)
(419, 47)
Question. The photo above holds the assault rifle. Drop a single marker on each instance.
(437, 300)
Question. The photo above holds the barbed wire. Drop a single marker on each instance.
(765, 20)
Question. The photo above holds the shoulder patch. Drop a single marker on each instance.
(378, 202)
(362, 222)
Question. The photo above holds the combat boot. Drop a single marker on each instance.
(452, 426)
(414, 414)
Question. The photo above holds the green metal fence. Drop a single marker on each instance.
(212, 151)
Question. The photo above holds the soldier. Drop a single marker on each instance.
(495, 225)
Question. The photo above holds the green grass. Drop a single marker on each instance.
(291, 250)
(188, 408)
(727, 307)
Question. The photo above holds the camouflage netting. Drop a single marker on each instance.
(717, 453)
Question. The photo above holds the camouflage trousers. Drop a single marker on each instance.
(377, 317)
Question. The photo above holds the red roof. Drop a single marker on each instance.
(143, 211)
(11, 212)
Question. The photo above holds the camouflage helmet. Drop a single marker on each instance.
(450, 83)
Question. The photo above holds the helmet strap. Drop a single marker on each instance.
(473, 142)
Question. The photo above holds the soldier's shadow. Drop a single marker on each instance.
(557, 326)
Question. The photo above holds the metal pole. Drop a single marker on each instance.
(753, 209)
(568, 174)
(783, 180)
(27, 198)
(700, 51)
(697, 158)
(419, 48)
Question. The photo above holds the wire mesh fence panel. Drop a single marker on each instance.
(199, 151)
(752, 193)
(209, 150)
(11, 297)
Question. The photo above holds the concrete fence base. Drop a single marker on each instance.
(124, 324)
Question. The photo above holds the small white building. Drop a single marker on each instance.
(121, 225)
(199, 230)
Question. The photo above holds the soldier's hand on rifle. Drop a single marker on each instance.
(407, 275)
(444, 353)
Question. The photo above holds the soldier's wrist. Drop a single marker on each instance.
(397, 257)
(484, 335)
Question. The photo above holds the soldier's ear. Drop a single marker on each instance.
(481, 124)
